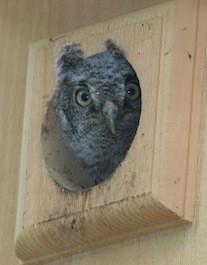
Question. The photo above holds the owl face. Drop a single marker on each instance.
(100, 94)
(98, 106)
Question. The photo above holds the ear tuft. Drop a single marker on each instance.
(114, 49)
(68, 59)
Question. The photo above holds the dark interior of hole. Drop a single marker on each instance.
(61, 162)
(62, 166)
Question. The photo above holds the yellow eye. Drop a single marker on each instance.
(83, 97)
(132, 91)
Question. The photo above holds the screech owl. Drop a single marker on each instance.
(98, 107)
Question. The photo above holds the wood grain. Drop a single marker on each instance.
(23, 21)
(155, 172)
(41, 86)
(98, 227)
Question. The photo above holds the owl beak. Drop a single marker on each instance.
(110, 111)
(111, 126)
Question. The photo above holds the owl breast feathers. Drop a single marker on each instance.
(98, 107)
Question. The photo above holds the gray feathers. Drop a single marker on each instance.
(98, 107)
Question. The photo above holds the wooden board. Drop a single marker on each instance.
(156, 171)
(23, 21)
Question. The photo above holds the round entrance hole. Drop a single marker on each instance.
(109, 140)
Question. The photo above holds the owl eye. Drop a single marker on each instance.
(132, 91)
(83, 97)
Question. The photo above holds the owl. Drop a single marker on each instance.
(98, 107)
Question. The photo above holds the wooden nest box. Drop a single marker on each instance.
(155, 185)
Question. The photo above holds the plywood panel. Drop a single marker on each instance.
(144, 34)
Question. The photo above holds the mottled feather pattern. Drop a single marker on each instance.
(97, 115)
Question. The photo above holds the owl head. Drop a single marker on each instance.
(98, 104)
(102, 88)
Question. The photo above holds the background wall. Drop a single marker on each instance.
(23, 21)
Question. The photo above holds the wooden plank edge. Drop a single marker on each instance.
(94, 228)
